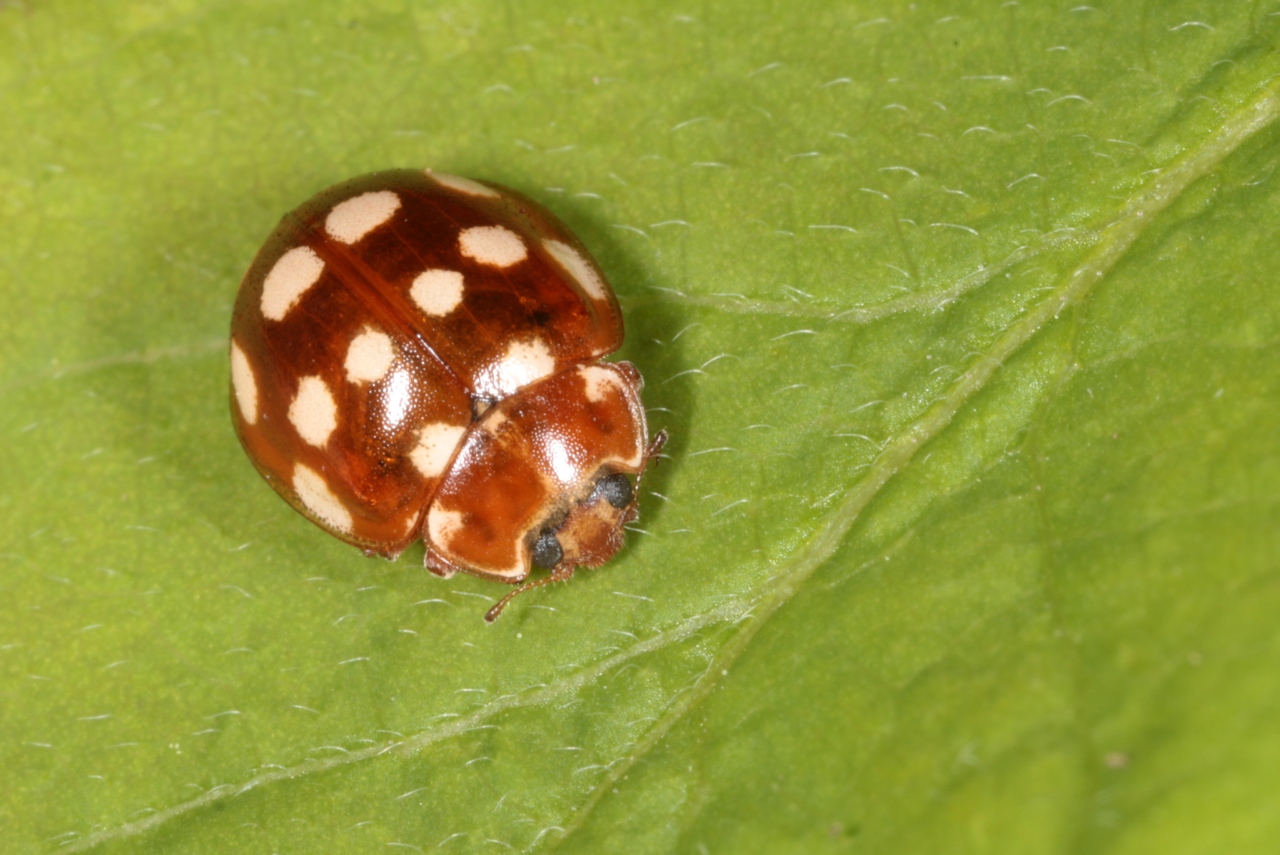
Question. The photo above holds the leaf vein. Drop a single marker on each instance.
(1117, 236)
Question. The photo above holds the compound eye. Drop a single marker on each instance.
(615, 489)
(546, 551)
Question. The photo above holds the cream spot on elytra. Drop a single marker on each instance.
(493, 245)
(463, 185)
(578, 267)
(313, 412)
(443, 526)
(446, 532)
(294, 272)
(600, 382)
(437, 292)
(495, 423)
(316, 497)
(354, 218)
(369, 357)
(244, 384)
(523, 363)
(436, 444)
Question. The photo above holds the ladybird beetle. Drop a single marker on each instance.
(417, 355)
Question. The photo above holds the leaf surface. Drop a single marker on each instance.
(963, 320)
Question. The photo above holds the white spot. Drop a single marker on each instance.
(354, 218)
(294, 272)
(523, 363)
(369, 357)
(436, 444)
(313, 413)
(463, 185)
(437, 292)
(316, 496)
(243, 382)
(443, 525)
(600, 381)
(494, 245)
(578, 267)
(495, 424)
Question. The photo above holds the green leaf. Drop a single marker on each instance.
(962, 317)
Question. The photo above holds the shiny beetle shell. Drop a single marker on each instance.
(417, 355)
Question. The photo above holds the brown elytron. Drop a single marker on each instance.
(416, 355)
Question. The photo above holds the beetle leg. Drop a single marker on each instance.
(650, 457)
(561, 573)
